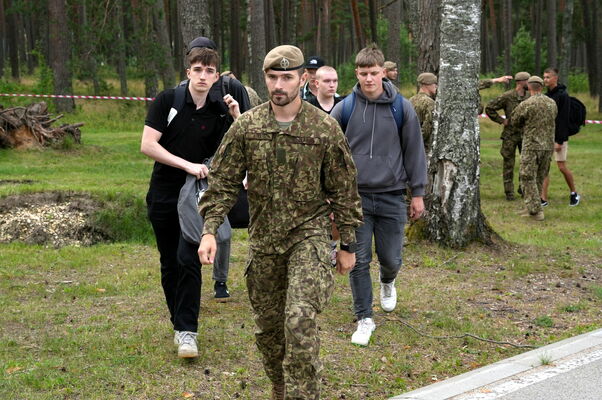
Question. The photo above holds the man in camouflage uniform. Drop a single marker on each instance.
(536, 116)
(424, 105)
(487, 83)
(300, 169)
(511, 135)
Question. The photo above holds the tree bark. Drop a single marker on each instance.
(567, 39)
(235, 39)
(454, 216)
(428, 36)
(167, 71)
(552, 48)
(13, 42)
(357, 26)
(2, 38)
(270, 24)
(59, 54)
(393, 15)
(507, 18)
(257, 48)
(323, 36)
(538, 22)
(121, 48)
(194, 19)
(373, 20)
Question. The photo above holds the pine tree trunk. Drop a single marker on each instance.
(2, 38)
(454, 217)
(59, 54)
(567, 39)
(495, 50)
(161, 32)
(429, 20)
(552, 47)
(538, 22)
(120, 49)
(235, 39)
(194, 19)
(507, 18)
(13, 42)
(257, 48)
(393, 15)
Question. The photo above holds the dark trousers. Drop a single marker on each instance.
(180, 265)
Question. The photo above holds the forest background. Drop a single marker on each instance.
(106, 43)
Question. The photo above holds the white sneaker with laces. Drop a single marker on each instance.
(388, 296)
(361, 336)
(187, 347)
(176, 337)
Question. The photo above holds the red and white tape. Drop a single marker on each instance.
(69, 96)
(587, 121)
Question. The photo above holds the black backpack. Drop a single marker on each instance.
(577, 113)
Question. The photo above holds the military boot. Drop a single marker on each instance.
(278, 391)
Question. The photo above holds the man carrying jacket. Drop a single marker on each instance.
(389, 159)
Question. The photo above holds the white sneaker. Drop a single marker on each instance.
(361, 336)
(187, 347)
(176, 338)
(388, 296)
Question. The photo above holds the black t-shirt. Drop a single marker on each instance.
(314, 101)
(193, 135)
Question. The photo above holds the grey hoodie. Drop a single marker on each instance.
(383, 164)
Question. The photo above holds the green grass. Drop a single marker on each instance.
(90, 322)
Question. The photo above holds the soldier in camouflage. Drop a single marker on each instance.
(536, 116)
(424, 105)
(511, 135)
(297, 158)
(487, 83)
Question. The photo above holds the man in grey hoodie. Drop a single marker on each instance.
(384, 135)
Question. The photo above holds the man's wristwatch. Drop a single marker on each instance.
(349, 247)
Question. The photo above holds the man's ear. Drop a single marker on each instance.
(303, 78)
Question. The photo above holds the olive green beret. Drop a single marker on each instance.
(535, 79)
(390, 65)
(427, 78)
(522, 76)
(284, 58)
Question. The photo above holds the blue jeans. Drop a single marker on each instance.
(385, 216)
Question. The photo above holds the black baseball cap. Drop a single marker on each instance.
(314, 62)
(201, 42)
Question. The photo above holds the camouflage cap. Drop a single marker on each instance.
(427, 78)
(390, 65)
(522, 76)
(535, 79)
(284, 58)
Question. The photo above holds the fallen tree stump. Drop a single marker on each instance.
(30, 127)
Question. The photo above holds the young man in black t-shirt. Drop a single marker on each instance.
(327, 82)
(179, 147)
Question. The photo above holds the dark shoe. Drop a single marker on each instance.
(544, 203)
(278, 391)
(574, 199)
(221, 290)
(510, 196)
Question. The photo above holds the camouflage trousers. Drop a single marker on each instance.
(508, 152)
(287, 292)
(534, 167)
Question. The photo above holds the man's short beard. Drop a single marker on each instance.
(286, 101)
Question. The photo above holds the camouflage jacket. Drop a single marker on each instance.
(424, 106)
(536, 117)
(507, 101)
(291, 175)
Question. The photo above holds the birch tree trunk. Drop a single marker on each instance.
(454, 217)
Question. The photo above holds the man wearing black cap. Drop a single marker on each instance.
(310, 89)
(225, 85)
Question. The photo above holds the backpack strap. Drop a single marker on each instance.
(178, 103)
(225, 85)
(348, 106)
(397, 111)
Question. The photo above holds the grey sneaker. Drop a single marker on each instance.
(574, 199)
(187, 347)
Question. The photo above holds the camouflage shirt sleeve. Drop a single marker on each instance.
(340, 184)
(498, 103)
(225, 177)
(485, 84)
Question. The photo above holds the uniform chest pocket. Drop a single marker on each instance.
(259, 148)
(306, 155)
